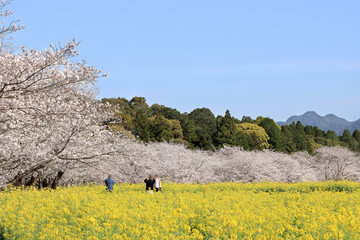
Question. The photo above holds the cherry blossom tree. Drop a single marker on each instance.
(50, 122)
(7, 29)
(338, 163)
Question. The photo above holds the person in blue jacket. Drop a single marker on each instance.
(109, 184)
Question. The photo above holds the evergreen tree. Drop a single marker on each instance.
(273, 130)
(189, 131)
(356, 135)
(299, 137)
(346, 137)
(226, 132)
(160, 129)
(351, 142)
(246, 119)
(204, 140)
(332, 138)
(205, 123)
(290, 146)
(205, 119)
(141, 126)
(138, 104)
(318, 132)
(309, 130)
(300, 128)
(168, 113)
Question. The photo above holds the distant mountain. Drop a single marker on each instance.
(328, 122)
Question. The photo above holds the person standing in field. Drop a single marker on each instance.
(157, 183)
(109, 184)
(149, 181)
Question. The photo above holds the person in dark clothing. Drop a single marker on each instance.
(109, 184)
(149, 183)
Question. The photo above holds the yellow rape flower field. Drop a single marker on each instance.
(325, 210)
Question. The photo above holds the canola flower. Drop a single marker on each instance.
(324, 210)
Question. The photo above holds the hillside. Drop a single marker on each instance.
(325, 123)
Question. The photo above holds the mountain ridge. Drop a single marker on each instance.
(325, 123)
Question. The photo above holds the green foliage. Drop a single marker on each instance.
(138, 104)
(356, 135)
(319, 133)
(205, 128)
(331, 138)
(226, 133)
(350, 141)
(142, 126)
(256, 136)
(204, 119)
(189, 132)
(300, 138)
(162, 129)
(246, 119)
(127, 122)
(169, 113)
(290, 146)
(309, 130)
(201, 130)
(277, 141)
(312, 145)
(121, 104)
(204, 140)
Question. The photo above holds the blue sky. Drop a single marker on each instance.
(268, 58)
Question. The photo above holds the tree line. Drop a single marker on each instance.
(200, 129)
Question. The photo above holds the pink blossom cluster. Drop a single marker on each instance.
(50, 120)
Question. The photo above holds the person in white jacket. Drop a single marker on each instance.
(157, 183)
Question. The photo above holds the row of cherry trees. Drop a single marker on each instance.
(50, 122)
(174, 162)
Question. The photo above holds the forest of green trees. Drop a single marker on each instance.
(200, 129)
